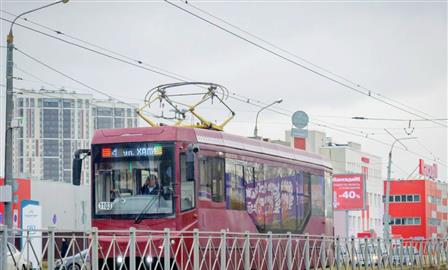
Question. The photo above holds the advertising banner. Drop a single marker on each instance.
(32, 221)
(348, 192)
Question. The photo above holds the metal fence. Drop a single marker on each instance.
(144, 250)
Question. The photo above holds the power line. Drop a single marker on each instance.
(45, 92)
(57, 87)
(245, 100)
(401, 169)
(369, 94)
(137, 62)
(131, 105)
(396, 119)
(152, 68)
(429, 151)
(52, 84)
(97, 52)
(34, 76)
(65, 75)
(76, 80)
(177, 76)
(345, 131)
(298, 57)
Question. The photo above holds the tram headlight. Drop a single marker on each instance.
(119, 259)
(148, 260)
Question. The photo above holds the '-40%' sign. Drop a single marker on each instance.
(348, 192)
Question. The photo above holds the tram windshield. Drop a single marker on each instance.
(133, 179)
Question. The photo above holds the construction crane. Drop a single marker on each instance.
(164, 94)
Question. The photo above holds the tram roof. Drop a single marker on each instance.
(205, 136)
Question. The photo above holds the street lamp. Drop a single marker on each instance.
(386, 226)
(278, 101)
(9, 180)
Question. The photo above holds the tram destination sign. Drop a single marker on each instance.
(138, 150)
(348, 192)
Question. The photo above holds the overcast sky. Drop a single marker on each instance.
(397, 49)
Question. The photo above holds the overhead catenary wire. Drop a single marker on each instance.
(41, 92)
(34, 76)
(55, 87)
(75, 80)
(321, 74)
(170, 74)
(396, 119)
(178, 78)
(167, 73)
(435, 158)
(42, 81)
(357, 133)
(48, 83)
(97, 52)
(399, 168)
(285, 114)
(189, 3)
(136, 61)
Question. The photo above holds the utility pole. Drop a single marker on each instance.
(386, 226)
(9, 177)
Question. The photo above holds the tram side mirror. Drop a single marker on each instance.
(192, 150)
(77, 165)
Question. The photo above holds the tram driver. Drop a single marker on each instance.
(151, 186)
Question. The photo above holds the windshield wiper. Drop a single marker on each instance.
(139, 218)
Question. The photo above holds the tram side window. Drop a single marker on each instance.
(328, 195)
(258, 172)
(235, 185)
(303, 198)
(211, 171)
(317, 195)
(307, 184)
(187, 190)
(249, 176)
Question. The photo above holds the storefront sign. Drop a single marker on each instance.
(348, 192)
(427, 170)
(365, 159)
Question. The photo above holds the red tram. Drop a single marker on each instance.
(209, 180)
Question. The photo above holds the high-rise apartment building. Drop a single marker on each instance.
(57, 123)
(110, 114)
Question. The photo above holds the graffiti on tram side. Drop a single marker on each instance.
(277, 204)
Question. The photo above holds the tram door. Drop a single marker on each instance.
(104, 186)
(188, 213)
(235, 186)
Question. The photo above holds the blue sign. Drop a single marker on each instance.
(54, 219)
(1, 218)
(300, 119)
(298, 132)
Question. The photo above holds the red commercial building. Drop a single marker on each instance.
(418, 208)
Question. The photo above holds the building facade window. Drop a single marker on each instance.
(405, 221)
(404, 198)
